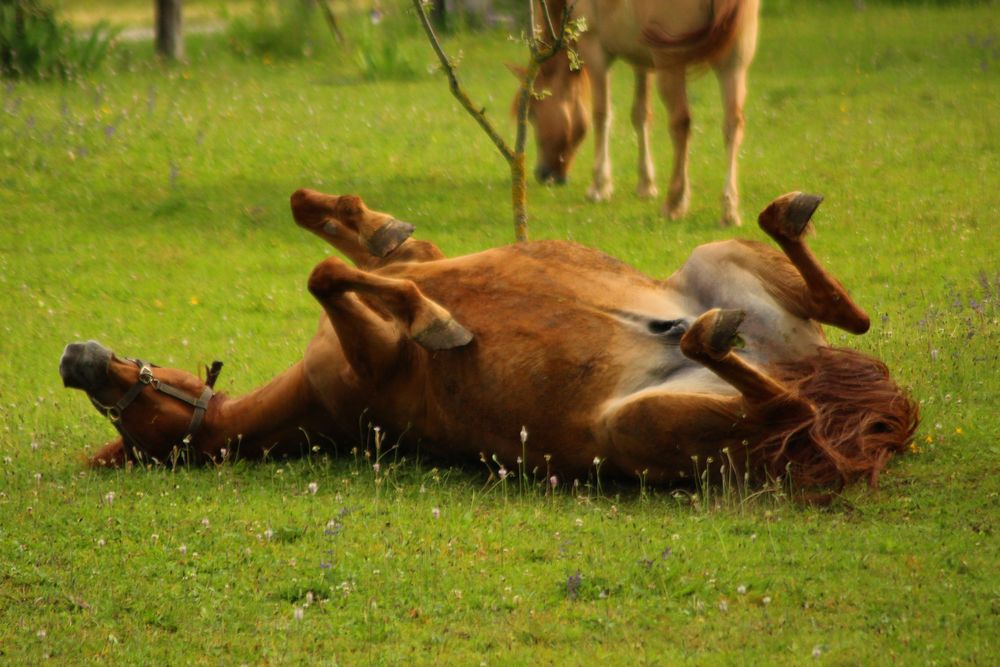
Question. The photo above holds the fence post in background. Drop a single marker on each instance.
(169, 39)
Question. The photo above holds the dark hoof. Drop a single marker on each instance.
(388, 237)
(787, 217)
(443, 335)
(725, 331)
(800, 212)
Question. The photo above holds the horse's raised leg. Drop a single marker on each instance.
(602, 185)
(641, 115)
(369, 238)
(373, 343)
(785, 220)
(671, 81)
(710, 342)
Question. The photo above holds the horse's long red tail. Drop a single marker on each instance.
(863, 418)
(705, 44)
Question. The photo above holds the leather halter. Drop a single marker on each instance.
(146, 378)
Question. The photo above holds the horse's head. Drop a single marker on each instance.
(560, 116)
(159, 412)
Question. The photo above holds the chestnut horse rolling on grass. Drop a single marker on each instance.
(724, 361)
(668, 37)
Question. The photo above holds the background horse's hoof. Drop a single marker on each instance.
(730, 219)
(599, 193)
(647, 191)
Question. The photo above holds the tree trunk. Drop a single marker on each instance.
(169, 40)
(519, 196)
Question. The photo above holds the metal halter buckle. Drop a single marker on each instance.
(145, 375)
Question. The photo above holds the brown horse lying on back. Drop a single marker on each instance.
(723, 364)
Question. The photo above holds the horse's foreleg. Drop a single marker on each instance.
(602, 185)
(375, 342)
(641, 115)
(785, 220)
(369, 238)
(733, 86)
(673, 90)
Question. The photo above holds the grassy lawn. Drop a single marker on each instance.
(146, 208)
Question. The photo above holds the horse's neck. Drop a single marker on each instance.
(267, 415)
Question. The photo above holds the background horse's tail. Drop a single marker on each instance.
(706, 44)
(862, 419)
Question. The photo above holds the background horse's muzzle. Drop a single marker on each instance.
(85, 365)
(547, 175)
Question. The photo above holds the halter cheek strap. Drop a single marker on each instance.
(146, 378)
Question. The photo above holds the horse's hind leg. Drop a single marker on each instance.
(661, 431)
(369, 238)
(710, 342)
(785, 220)
(641, 115)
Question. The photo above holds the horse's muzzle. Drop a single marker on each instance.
(85, 365)
(547, 176)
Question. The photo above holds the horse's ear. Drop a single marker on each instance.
(517, 70)
(212, 373)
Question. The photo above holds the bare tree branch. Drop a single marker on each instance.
(540, 52)
(331, 21)
(456, 87)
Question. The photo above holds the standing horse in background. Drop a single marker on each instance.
(670, 38)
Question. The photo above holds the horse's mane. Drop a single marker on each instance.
(706, 44)
(862, 419)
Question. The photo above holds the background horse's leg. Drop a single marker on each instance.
(732, 75)
(785, 220)
(602, 185)
(671, 81)
(733, 86)
(641, 115)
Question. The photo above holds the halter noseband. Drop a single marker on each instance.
(114, 412)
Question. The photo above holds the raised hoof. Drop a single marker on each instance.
(713, 334)
(443, 335)
(788, 216)
(724, 334)
(388, 237)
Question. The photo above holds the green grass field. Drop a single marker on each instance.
(146, 207)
